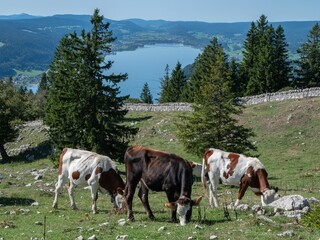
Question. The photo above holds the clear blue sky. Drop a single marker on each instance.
(186, 10)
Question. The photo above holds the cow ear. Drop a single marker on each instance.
(119, 191)
(171, 205)
(196, 201)
(192, 164)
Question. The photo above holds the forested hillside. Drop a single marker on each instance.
(28, 42)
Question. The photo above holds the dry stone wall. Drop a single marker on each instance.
(268, 97)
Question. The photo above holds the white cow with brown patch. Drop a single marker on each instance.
(237, 170)
(88, 168)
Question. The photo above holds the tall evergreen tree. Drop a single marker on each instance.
(281, 68)
(308, 69)
(165, 87)
(176, 84)
(265, 65)
(145, 95)
(202, 65)
(83, 108)
(213, 123)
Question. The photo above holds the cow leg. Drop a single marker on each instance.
(71, 196)
(94, 196)
(213, 196)
(243, 188)
(171, 198)
(59, 185)
(144, 197)
(129, 193)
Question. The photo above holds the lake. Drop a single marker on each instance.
(147, 65)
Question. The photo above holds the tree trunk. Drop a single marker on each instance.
(4, 154)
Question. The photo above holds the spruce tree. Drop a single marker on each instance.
(145, 95)
(83, 108)
(308, 65)
(213, 122)
(165, 87)
(177, 83)
(281, 68)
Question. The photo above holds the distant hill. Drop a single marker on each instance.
(28, 42)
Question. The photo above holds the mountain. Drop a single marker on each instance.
(29, 42)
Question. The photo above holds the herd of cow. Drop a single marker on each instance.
(157, 170)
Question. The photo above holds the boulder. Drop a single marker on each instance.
(290, 202)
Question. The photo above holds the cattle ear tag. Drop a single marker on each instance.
(197, 201)
(120, 191)
(171, 205)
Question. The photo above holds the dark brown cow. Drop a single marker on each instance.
(236, 169)
(159, 171)
(89, 168)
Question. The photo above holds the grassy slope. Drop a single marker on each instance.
(287, 136)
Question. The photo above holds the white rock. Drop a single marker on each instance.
(121, 222)
(290, 202)
(34, 204)
(93, 237)
(197, 226)
(213, 237)
(103, 224)
(162, 228)
(121, 237)
(286, 234)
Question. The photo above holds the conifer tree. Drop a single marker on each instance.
(176, 84)
(213, 123)
(308, 69)
(202, 64)
(281, 68)
(145, 95)
(83, 108)
(165, 87)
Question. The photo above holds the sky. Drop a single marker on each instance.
(172, 10)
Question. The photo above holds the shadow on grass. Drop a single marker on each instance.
(137, 119)
(13, 201)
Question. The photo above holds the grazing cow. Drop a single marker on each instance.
(236, 169)
(159, 171)
(88, 168)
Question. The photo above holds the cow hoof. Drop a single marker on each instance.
(55, 206)
(152, 218)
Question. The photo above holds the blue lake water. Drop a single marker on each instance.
(147, 65)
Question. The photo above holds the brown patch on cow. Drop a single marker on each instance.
(60, 160)
(75, 175)
(206, 156)
(87, 177)
(234, 158)
(111, 181)
(98, 170)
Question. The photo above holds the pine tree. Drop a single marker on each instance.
(281, 68)
(199, 75)
(247, 73)
(165, 87)
(308, 69)
(83, 108)
(9, 104)
(145, 95)
(177, 83)
(212, 123)
(265, 65)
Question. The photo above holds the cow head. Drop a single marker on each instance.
(182, 206)
(269, 195)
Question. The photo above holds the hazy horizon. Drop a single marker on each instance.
(212, 11)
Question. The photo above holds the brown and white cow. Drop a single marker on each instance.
(236, 169)
(88, 168)
(159, 171)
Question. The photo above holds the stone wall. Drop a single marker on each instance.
(268, 97)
